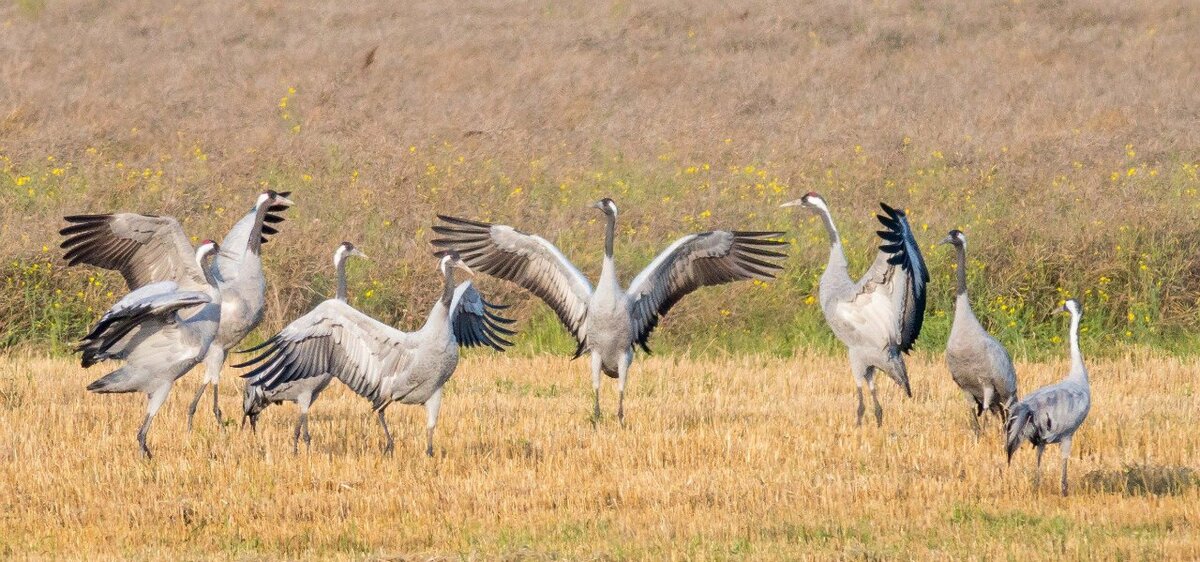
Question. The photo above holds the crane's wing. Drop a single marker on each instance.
(333, 338)
(150, 305)
(235, 244)
(699, 260)
(527, 260)
(889, 300)
(474, 322)
(143, 248)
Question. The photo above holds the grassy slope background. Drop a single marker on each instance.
(1062, 137)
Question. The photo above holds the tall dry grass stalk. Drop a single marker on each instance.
(736, 458)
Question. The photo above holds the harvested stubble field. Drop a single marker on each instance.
(729, 458)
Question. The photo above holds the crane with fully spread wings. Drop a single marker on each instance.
(608, 321)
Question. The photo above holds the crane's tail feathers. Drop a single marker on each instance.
(1018, 419)
(112, 382)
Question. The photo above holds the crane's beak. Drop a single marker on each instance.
(359, 253)
(1059, 309)
(797, 203)
(463, 266)
(946, 240)
(281, 200)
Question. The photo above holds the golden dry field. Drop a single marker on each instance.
(737, 458)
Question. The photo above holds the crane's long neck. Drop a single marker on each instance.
(961, 251)
(610, 233)
(339, 263)
(208, 266)
(254, 245)
(837, 256)
(448, 289)
(1078, 371)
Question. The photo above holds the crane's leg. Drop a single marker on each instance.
(303, 401)
(975, 410)
(622, 376)
(989, 401)
(196, 402)
(596, 363)
(154, 402)
(387, 449)
(431, 414)
(875, 399)
(213, 361)
(858, 371)
(1037, 476)
(1066, 454)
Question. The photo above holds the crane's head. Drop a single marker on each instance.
(955, 238)
(606, 206)
(450, 259)
(273, 198)
(206, 251)
(811, 200)
(1071, 306)
(345, 250)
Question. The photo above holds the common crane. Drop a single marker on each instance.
(381, 363)
(161, 330)
(1053, 414)
(608, 320)
(145, 249)
(979, 364)
(304, 391)
(879, 317)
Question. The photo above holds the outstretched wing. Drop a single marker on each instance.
(527, 260)
(699, 260)
(143, 248)
(333, 338)
(235, 244)
(473, 321)
(890, 297)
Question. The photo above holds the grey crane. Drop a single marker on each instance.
(143, 249)
(303, 391)
(979, 364)
(380, 363)
(879, 317)
(1052, 414)
(161, 330)
(608, 321)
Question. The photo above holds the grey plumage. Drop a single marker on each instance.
(147, 249)
(1053, 414)
(303, 391)
(161, 330)
(979, 364)
(878, 318)
(608, 321)
(378, 362)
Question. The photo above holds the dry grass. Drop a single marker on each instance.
(729, 458)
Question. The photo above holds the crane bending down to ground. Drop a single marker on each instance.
(304, 391)
(979, 364)
(608, 320)
(879, 317)
(377, 361)
(161, 330)
(147, 249)
(1053, 414)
